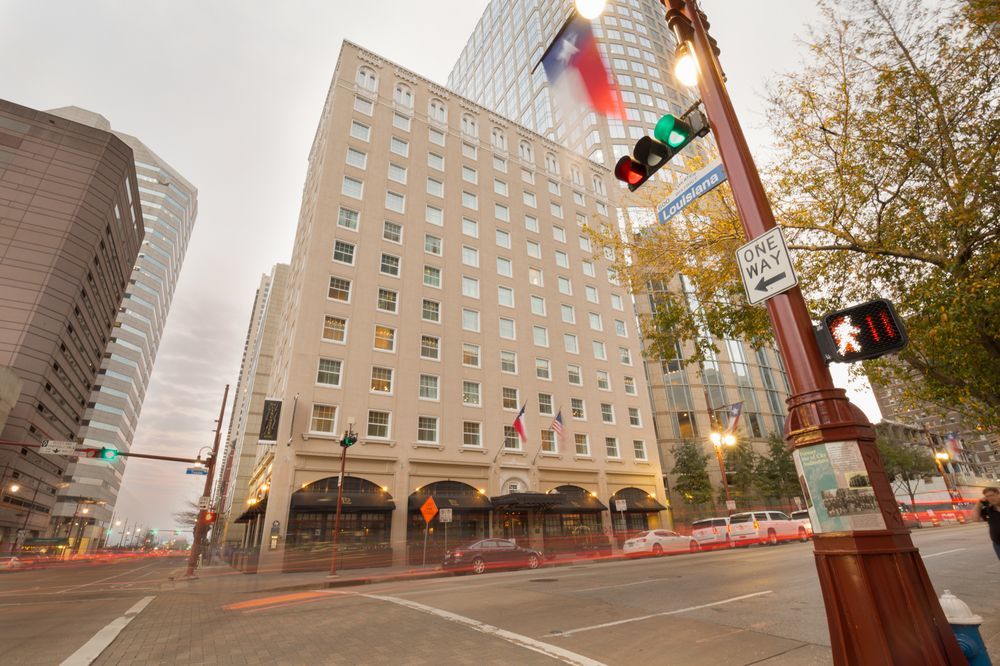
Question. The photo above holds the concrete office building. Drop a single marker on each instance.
(497, 69)
(70, 231)
(169, 206)
(241, 450)
(440, 280)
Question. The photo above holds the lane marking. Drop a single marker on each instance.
(101, 580)
(943, 552)
(520, 640)
(663, 614)
(93, 648)
(282, 599)
(608, 587)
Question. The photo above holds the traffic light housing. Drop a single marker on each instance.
(350, 437)
(209, 517)
(670, 136)
(107, 454)
(861, 332)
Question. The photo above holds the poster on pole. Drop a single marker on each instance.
(839, 495)
(269, 418)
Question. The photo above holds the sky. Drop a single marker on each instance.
(229, 93)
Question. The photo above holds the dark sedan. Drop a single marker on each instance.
(491, 554)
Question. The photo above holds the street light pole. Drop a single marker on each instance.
(201, 525)
(344, 444)
(880, 604)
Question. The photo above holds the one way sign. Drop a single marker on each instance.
(765, 267)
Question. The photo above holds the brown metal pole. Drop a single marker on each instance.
(722, 471)
(718, 447)
(201, 525)
(340, 503)
(880, 605)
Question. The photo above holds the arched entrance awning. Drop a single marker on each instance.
(575, 498)
(469, 519)
(636, 500)
(359, 495)
(450, 494)
(637, 515)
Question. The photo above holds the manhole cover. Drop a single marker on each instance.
(543, 580)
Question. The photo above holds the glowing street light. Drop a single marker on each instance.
(685, 65)
(590, 9)
(14, 487)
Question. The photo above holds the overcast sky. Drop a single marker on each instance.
(229, 93)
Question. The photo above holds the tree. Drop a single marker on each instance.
(692, 475)
(885, 180)
(776, 475)
(905, 465)
(189, 516)
(741, 467)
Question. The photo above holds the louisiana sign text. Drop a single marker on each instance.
(701, 182)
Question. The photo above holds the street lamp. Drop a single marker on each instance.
(720, 439)
(685, 65)
(941, 457)
(14, 487)
(590, 9)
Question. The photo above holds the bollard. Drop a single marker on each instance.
(966, 628)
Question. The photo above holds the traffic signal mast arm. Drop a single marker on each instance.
(96, 451)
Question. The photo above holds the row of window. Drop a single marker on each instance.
(379, 426)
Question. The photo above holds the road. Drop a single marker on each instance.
(749, 606)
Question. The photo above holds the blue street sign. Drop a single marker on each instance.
(197, 470)
(701, 182)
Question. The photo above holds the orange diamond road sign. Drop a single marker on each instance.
(429, 509)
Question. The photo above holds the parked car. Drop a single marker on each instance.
(770, 527)
(658, 542)
(712, 532)
(803, 519)
(491, 554)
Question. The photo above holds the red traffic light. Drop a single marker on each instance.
(860, 332)
(630, 172)
(209, 517)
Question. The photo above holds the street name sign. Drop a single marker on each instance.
(765, 266)
(700, 182)
(57, 448)
(197, 469)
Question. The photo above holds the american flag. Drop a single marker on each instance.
(557, 424)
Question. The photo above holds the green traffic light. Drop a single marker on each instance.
(671, 131)
(108, 454)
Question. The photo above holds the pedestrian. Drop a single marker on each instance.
(989, 510)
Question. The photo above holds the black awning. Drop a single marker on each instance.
(460, 502)
(636, 500)
(254, 510)
(352, 501)
(527, 500)
(570, 504)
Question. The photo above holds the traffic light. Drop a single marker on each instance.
(107, 454)
(860, 332)
(650, 154)
(350, 437)
(209, 517)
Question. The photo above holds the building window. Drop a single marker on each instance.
(435, 161)
(573, 375)
(570, 343)
(356, 158)
(395, 202)
(469, 125)
(435, 187)
(431, 310)
(534, 249)
(577, 409)
(469, 150)
(432, 244)
(568, 313)
(353, 188)
(624, 355)
(430, 347)
(540, 336)
(505, 267)
(611, 447)
(529, 199)
(531, 223)
(503, 238)
(432, 276)
(471, 434)
(508, 362)
(334, 328)
(436, 136)
(390, 264)
(603, 381)
(509, 398)
(470, 256)
(505, 296)
(543, 368)
(470, 394)
(470, 287)
(545, 404)
(535, 277)
(620, 328)
(403, 96)
(470, 227)
(582, 445)
(392, 232)
(470, 354)
(470, 320)
(591, 294)
(428, 387)
(385, 338)
(397, 173)
(633, 417)
(599, 352)
(548, 441)
(388, 300)
(630, 385)
(499, 187)
(360, 130)
(381, 380)
(639, 449)
(511, 440)
(501, 212)
(507, 329)
(562, 259)
(607, 413)
(366, 79)
(401, 122)
(323, 418)
(328, 372)
(348, 219)
(340, 289)
(470, 200)
(343, 252)
(378, 424)
(427, 429)
(538, 306)
(498, 139)
(437, 111)
(595, 321)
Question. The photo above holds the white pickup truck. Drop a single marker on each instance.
(770, 527)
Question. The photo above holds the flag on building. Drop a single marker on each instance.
(519, 424)
(734, 412)
(557, 424)
(576, 71)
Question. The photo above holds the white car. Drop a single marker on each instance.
(802, 518)
(658, 542)
(712, 532)
(770, 527)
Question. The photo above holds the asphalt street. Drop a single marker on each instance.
(760, 605)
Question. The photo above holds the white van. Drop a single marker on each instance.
(712, 532)
(770, 527)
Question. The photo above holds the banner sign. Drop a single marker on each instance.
(700, 182)
(269, 419)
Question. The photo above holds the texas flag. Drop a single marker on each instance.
(734, 413)
(576, 71)
(519, 424)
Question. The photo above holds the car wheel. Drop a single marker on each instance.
(478, 565)
(772, 538)
(657, 549)
(803, 536)
(534, 561)
(695, 546)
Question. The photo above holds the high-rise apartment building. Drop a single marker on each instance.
(169, 206)
(440, 285)
(242, 449)
(498, 69)
(70, 230)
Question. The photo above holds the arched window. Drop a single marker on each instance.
(437, 111)
(498, 139)
(469, 125)
(577, 176)
(403, 96)
(366, 79)
(524, 150)
(551, 163)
